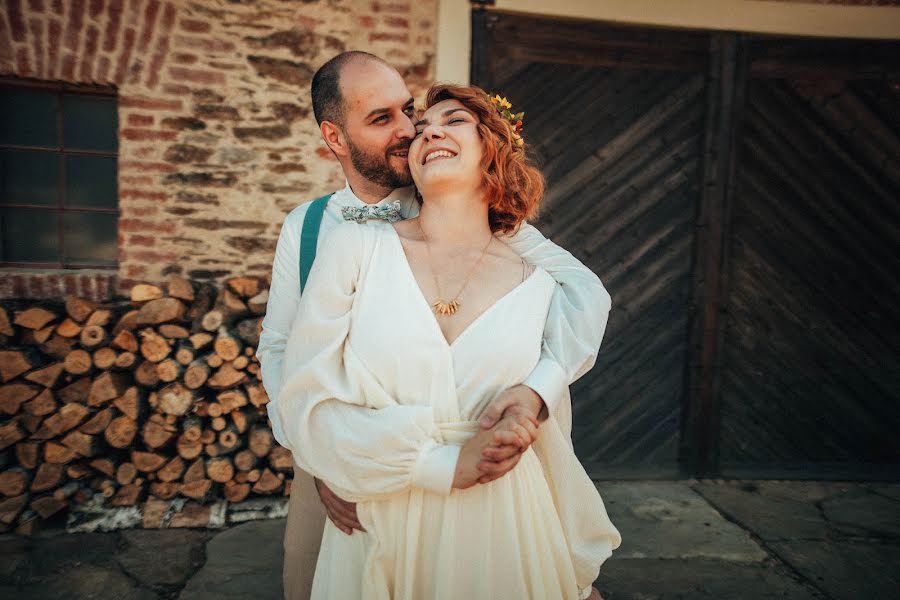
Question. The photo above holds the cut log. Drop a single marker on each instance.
(244, 286)
(260, 441)
(196, 374)
(172, 470)
(78, 362)
(99, 318)
(197, 490)
(11, 507)
(268, 483)
(121, 432)
(98, 423)
(180, 288)
(12, 364)
(68, 328)
(126, 360)
(192, 428)
(236, 492)
(127, 495)
(226, 377)
(196, 471)
(188, 449)
(127, 322)
(106, 387)
(162, 310)
(125, 473)
(220, 469)
(42, 335)
(154, 347)
(280, 459)
(164, 490)
(77, 471)
(226, 345)
(144, 292)
(81, 443)
(77, 391)
(201, 340)
(231, 399)
(173, 332)
(30, 422)
(41, 405)
(103, 465)
(240, 420)
(5, 327)
(168, 370)
(218, 423)
(58, 346)
(214, 409)
(126, 341)
(58, 454)
(256, 393)
(248, 330)
(34, 318)
(229, 440)
(212, 320)
(245, 460)
(184, 353)
(104, 358)
(13, 482)
(215, 361)
(47, 376)
(92, 336)
(27, 454)
(203, 299)
(175, 399)
(147, 462)
(68, 417)
(79, 309)
(157, 434)
(207, 436)
(253, 369)
(230, 304)
(47, 476)
(47, 506)
(145, 374)
(13, 395)
(129, 402)
(258, 303)
(240, 362)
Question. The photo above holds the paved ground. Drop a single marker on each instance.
(690, 539)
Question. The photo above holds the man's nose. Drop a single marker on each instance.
(407, 129)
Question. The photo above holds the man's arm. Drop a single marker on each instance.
(281, 310)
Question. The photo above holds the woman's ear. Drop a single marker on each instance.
(334, 137)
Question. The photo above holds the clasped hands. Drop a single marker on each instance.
(509, 425)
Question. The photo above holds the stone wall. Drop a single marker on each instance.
(217, 139)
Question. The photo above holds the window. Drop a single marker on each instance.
(58, 184)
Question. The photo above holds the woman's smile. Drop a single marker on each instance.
(437, 153)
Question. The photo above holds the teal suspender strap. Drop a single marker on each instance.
(309, 237)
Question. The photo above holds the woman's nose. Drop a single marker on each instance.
(433, 131)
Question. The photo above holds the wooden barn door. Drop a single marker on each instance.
(739, 198)
(616, 119)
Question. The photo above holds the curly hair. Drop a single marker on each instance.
(513, 185)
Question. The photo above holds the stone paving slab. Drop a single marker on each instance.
(163, 559)
(669, 520)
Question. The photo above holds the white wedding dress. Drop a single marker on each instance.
(376, 403)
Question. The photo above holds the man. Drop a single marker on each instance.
(364, 112)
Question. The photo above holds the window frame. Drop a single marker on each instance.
(61, 153)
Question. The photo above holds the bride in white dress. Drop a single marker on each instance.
(404, 335)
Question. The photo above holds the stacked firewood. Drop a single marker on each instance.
(157, 397)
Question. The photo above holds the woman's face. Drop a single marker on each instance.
(447, 148)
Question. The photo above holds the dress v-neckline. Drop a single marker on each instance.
(427, 305)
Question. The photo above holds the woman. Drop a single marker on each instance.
(417, 327)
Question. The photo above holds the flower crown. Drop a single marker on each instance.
(503, 107)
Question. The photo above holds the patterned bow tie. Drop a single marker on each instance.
(387, 212)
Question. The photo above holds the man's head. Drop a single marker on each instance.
(364, 112)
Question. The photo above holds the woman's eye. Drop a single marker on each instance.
(452, 121)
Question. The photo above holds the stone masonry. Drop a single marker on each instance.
(217, 142)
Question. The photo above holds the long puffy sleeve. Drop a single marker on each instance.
(576, 321)
(341, 426)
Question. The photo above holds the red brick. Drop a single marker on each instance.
(142, 240)
(144, 226)
(388, 37)
(184, 58)
(325, 153)
(140, 120)
(197, 76)
(149, 25)
(142, 211)
(204, 44)
(149, 103)
(52, 284)
(112, 26)
(23, 66)
(36, 30)
(136, 180)
(148, 134)
(152, 256)
(141, 195)
(162, 47)
(68, 67)
(396, 22)
(53, 33)
(16, 22)
(74, 23)
(103, 69)
(176, 89)
(95, 8)
(390, 7)
(144, 152)
(366, 22)
(35, 287)
(90, 53)
(84, 285)
(36, 5)
(194, 26)
(136, 270)
(125, 55)
(69, 284)
(145, 167)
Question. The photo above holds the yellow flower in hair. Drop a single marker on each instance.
(505, 103)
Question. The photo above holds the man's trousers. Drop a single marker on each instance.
(302, 536)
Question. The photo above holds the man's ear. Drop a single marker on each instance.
(334, 137)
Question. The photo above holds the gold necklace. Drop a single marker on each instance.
(440, 306)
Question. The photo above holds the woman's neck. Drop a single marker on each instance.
(456, 218)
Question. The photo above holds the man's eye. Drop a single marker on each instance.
(381, 119)
(419, 132)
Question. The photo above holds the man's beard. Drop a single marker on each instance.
(377, 168)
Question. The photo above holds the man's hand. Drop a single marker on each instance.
(513, 435)
(519, 399)
(341, 512)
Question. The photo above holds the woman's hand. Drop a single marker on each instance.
(467, 473)
(513, 435)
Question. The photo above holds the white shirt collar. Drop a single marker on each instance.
(406, 196)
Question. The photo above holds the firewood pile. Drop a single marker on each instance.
(160, 397)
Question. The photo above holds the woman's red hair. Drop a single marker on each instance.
(513, 186)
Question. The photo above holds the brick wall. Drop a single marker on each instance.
(217, 138)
